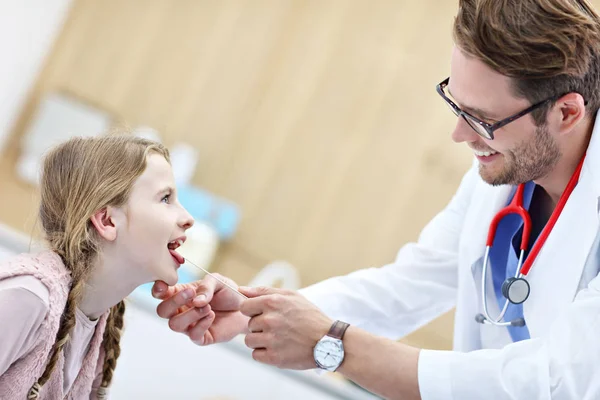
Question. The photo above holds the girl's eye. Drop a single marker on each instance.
(166, 198)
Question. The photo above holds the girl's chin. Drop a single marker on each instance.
(170, 280)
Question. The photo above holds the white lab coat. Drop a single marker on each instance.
(443, 270)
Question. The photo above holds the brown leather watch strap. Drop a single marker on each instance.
(338, 329)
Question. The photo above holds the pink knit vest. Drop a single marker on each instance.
(15, 383)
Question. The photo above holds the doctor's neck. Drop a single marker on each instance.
(556, 180)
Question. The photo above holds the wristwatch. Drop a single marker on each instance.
(329, 351)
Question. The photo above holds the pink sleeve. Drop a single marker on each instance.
(23, 307)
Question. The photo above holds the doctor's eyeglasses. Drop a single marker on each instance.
(483, 128)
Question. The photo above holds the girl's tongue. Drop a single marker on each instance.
(177, 256)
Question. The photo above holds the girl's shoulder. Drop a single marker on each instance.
(45, 261)
(45, 266)
(24, 306)
(24, 301)
(26, 286)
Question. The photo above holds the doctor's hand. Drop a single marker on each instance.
(284, 327)
(206, 310)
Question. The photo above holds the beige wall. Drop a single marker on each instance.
(319, 118)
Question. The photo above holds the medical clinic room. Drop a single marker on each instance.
(290, 199)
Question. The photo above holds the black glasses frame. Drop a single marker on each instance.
(489, 128)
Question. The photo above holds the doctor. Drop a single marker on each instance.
(525, 86)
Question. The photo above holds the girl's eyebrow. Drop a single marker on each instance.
(166, 190)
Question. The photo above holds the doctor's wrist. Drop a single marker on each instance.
(385, 367)
(320, 329)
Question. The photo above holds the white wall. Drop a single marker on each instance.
(28, 28)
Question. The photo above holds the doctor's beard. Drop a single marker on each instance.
(529, 161)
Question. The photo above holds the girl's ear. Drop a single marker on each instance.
(104, 224)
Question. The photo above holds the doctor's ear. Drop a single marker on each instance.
(572, 111)
(104, 223)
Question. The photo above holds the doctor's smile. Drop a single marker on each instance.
(486, 156)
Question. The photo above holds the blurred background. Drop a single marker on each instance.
(307, 137)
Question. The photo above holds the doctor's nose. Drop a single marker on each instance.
(463, 132)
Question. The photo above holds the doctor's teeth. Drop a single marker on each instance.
(484, 153)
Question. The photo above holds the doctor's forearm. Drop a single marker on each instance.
(384, 367)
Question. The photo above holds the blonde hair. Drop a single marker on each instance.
(549, 47)
(80, 177)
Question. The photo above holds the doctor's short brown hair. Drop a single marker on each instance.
(548, 47)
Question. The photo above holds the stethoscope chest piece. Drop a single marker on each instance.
(516, 290)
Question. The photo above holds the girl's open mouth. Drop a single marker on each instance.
(172, 246)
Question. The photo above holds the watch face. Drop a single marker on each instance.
(329, 353)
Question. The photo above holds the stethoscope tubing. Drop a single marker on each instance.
(488, 319)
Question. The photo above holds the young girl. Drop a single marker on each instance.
(112, 222)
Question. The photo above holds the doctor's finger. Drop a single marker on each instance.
(262, 323)
(253, 307)
(198, 332)
(265, 356)
(254, 324)
(182, 322)
(205, 290)
(258, 340)
(160, 290)
(169, 307)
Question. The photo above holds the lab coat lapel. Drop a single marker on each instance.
(490, 199)
(557, 271)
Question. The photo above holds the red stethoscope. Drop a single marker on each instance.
(516, 289)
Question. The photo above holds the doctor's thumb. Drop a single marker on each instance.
(256, 291)
(160, 290)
